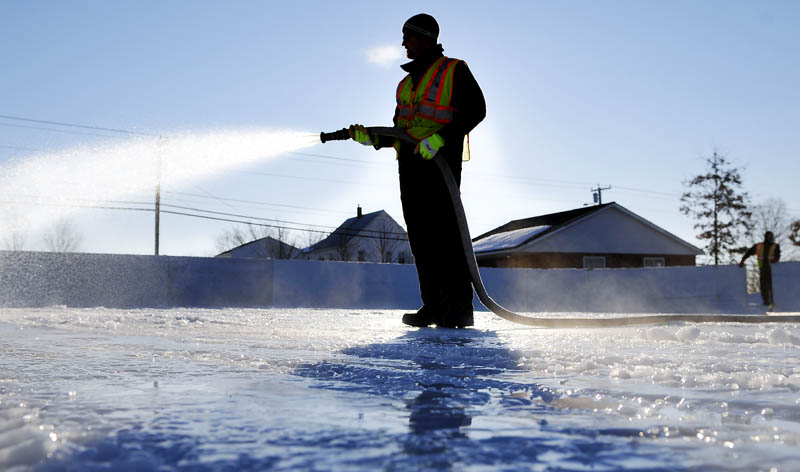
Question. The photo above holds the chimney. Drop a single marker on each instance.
(358, 212)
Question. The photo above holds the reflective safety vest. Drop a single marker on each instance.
(426, 109)
(760, 253)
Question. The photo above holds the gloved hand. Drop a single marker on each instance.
(359, 134)
(428, 147)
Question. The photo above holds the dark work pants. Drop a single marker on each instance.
(765, 280)
(444, 280)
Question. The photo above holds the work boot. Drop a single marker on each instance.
(457, 318)
(425, 316)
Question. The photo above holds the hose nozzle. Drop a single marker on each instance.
(340, 135)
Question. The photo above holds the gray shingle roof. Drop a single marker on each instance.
(352, 227)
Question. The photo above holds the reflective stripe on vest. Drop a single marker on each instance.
(760, 252)
(427, 109)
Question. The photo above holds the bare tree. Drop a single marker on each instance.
(14, 240)
(386, 241)
(340, 241)
(272, 242)
(771, 215)
(281, 244)
(719, 206)
(794, 237)
(13, 232)
(230, 238)
(62, 237)
(312, 237)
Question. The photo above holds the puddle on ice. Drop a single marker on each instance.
(181, 389)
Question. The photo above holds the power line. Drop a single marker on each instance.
(21, 148)
(243, 216)
(297, 177)
(295, 207)
(333, 157)
(74, 125)
(64, 131)
(379, 234)
(345, 232)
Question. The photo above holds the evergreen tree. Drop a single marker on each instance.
(719, 206)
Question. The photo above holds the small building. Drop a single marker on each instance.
(600, 236)
(264, 248)
(370, 237)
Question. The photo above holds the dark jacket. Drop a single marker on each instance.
(467, 99)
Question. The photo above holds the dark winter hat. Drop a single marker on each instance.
(423, 25)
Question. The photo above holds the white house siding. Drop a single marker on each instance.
(608, 232)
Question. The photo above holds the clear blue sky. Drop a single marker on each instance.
(632, 94)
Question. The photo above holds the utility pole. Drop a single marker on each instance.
(158, 189)
(598, 193)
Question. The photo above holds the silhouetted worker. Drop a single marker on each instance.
(438, 103)
(767, 253)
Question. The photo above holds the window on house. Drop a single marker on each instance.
(594, 262)
(654, 262)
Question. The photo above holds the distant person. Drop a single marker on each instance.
(767, 253)
(438, 104)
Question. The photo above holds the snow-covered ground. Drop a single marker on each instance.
(299, 389)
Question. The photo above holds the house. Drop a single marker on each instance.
(371, 237)
(264, 248)
(600, 236)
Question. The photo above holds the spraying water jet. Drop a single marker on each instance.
(134, 167)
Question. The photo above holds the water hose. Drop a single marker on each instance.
(509, 315)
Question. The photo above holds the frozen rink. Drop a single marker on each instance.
(277, 389)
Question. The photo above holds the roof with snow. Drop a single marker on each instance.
(508, 239)
(599, 228)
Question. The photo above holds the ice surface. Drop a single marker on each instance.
(103, 389)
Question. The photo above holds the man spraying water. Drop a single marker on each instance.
(438, 104)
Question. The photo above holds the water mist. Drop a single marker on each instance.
(37, 189)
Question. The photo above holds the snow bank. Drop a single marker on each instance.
(31, 279)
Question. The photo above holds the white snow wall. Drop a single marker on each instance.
(31, 279)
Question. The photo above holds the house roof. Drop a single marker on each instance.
(552, 220)
(254, 244)
(351, 228)
(508, 239)
(518, 233)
